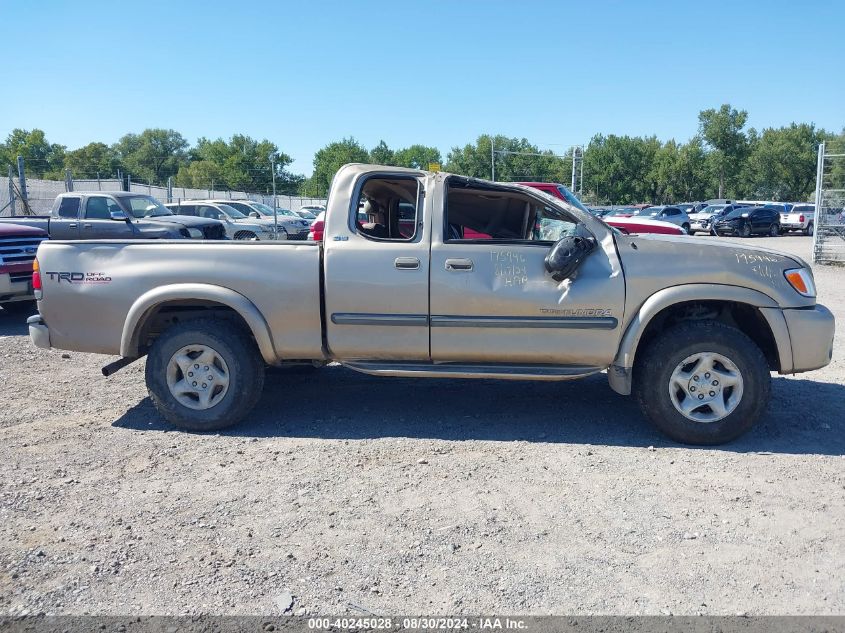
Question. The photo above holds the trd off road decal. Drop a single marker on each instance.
(78, 278)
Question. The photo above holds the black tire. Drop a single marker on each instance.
(245, 235)
(774, 230)
(686, 228)
(657, 362)
(745, 231)
(244, 362)
(17, 308)
(810, 229)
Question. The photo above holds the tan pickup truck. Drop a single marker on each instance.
(438, 275)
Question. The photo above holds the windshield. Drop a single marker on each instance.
(145, 207)
(735, 213)
(231, 211)
(263, 209)
(306, 215)
(571, 199)
(713, 208)
(650, 212)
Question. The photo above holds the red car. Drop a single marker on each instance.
(625, 223)
(18, 245)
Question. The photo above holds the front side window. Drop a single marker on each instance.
(101, 208)
(388, 208)
(69, 207)
(494, 214)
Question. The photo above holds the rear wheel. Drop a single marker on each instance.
(810, 229)
(702, 382)
(205, 374)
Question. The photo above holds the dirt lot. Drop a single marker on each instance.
(349, 494)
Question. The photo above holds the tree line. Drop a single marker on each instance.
(723, 159)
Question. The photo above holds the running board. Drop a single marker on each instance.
(472, 370)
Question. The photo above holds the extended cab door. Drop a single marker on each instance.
(97, 223)
(64, 221)
(492, 300)
(376, 266)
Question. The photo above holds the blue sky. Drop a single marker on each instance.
(303, 74)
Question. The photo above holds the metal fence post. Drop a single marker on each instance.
(68, 180)
(170, 188)
(22, 178)
(11, 191)
(99, 186)
(818, 217)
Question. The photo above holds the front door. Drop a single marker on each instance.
(376, 271)
(492, 300)
(97, 223)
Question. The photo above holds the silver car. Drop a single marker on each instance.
(238, 226)
(290, 225)
(665, 213)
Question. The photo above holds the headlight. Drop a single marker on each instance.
(195, 233)
(801, 280)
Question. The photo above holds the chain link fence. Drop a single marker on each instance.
(829, 236)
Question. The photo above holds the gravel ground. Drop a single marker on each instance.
(344, 493)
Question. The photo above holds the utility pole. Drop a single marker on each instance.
(11, 191)
(492, 160)
(22, 179)
(581, 177)
(573, 170)
(275, 210)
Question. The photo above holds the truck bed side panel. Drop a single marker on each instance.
(86, 311)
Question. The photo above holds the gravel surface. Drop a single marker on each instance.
(344, 493)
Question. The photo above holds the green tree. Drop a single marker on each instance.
(620, 169)
(381, 154)
(516, 160)
(417, 157)
(722, 130)
(782, 163)
(328, 160)
(153, 155)
(41, 158)
(92, 160)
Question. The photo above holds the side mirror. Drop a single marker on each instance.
(254, 214)
(566, 256)
(119, 215)
(745, 215)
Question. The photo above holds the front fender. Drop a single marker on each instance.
(619, 374)
(147, 302)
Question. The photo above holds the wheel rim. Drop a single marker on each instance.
(198, 377)
(773, 231)
(745, 231)
(706, 387)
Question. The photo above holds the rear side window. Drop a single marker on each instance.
(69, 207)
(387, 208)
(184, 209)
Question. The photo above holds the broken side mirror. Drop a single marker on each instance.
(567, 254)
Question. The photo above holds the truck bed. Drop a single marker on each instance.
(106, 278)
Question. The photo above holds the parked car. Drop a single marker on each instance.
(313, 209)
(702, 222)
(748, 221)
(623, 221)
(305, 214)
(291, 226)
(691, 327)
(18, 244)
(664, 213)
(237, 225)
(116, 215)
(801, 217)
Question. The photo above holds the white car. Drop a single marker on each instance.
(291, 226)
(802, 217)
(238, 226)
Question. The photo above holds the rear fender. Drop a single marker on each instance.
(147, 302)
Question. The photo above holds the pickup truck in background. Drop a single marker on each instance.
(115, 215)
(18, 245)
(801, 217)
(692, 326)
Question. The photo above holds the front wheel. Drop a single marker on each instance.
(245, 235)
(204, 374)
(774, 230)
(745, 231)
(686, 228)
(702, 382)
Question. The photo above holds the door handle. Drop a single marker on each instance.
(406, 263)
(72, 225)
(86, 226)
(459, 264)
